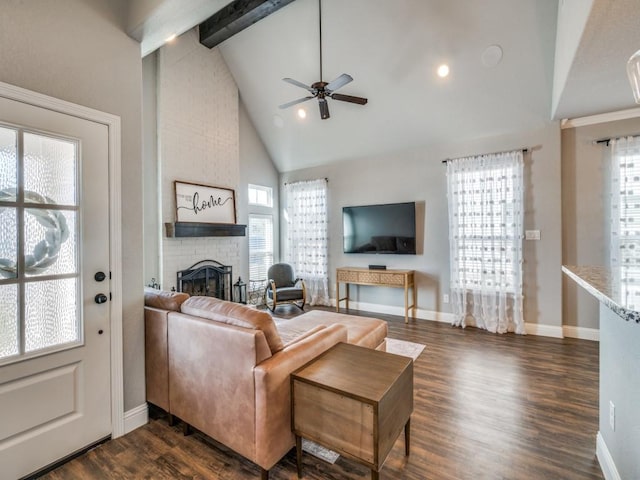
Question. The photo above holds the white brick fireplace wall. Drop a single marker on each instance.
(198, 142)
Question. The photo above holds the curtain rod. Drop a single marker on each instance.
(325, 179)
(524, 150)
(607, 140)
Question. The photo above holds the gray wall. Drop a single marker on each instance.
(620, 384)
(152, 224)
(585, 212)
(78, 52)
(419, 175)
(256, 168)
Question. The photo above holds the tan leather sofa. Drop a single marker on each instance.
(224, 368)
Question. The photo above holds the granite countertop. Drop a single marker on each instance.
(604, 284)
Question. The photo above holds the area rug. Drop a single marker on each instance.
(399, 347)
(404, 348)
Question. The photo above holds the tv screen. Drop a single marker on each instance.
(389, 228)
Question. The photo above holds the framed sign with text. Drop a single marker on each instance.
(205, 204)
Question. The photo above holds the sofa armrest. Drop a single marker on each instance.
(273, 392)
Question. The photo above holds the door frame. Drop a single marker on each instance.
(113, 124)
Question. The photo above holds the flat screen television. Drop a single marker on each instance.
(389, 228)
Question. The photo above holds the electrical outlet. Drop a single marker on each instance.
(445, 298)
(532, 235)
(612, 415)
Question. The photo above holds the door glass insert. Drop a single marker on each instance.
(39, 247)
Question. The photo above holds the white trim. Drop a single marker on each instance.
(608, 466)
(582, 333)
(542, 330)
(136, 418)
(446, 317)
(398, 310)
(601, 118)
(115, 229)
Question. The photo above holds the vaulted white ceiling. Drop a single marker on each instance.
(392, 50)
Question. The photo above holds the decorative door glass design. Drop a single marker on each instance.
(39, 266)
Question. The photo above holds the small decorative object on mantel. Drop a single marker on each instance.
(154, 284)
(240, 291)
(204, 204)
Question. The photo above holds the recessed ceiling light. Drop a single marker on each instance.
(302, 113)
(492, 56)
(170, 38)
(443, 70)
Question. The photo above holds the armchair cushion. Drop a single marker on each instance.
(285, 294)
(236, 314)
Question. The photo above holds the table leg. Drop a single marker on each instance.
(407, 437)
(375, 475)
(337, 296)
(415, 300)
(299, 455)
(347, 299)
(406, 303)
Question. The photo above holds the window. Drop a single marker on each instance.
(625, 224)
(260, 247)
(260, 195)
(486, 224)
(39, 266)
(486, 211)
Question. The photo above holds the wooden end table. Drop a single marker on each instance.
(355, 401)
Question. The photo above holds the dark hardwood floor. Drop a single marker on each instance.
(486, 407)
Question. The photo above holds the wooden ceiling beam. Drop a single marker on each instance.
(234, 18)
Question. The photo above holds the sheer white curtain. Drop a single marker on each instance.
(486, 210)
(625, 217)
(307, 236)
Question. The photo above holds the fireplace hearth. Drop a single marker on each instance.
(208, 278)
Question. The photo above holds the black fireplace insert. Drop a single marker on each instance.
(208, 278)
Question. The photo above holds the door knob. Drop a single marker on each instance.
(99, 276)
(100, 298)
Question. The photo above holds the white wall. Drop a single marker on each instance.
(420, 176)
(77, 51)
(572, 19)
(198, 131)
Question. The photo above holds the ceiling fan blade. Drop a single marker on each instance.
(341, 81)
(295, 102)
(298, 84)
(324, 108)
(349, 98)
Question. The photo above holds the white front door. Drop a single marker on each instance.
(54, 326)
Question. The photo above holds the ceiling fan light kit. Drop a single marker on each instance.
(323, 90)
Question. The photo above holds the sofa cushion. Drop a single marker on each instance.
(364, 331)
(163, 299)
(236, 314)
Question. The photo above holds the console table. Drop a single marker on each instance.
(353, 400)
(381, 278)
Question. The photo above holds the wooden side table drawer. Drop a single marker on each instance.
(392, 279)
(368, 277)
(332, 419)
(347, 276)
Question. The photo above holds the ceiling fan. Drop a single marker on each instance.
(323, 90)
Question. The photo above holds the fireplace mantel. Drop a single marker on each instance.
(193, 229)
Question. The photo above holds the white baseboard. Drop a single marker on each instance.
(446, 317)
(582, 333)
(605, 459)
(399, 311)
(543, 330)
(136, 417)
